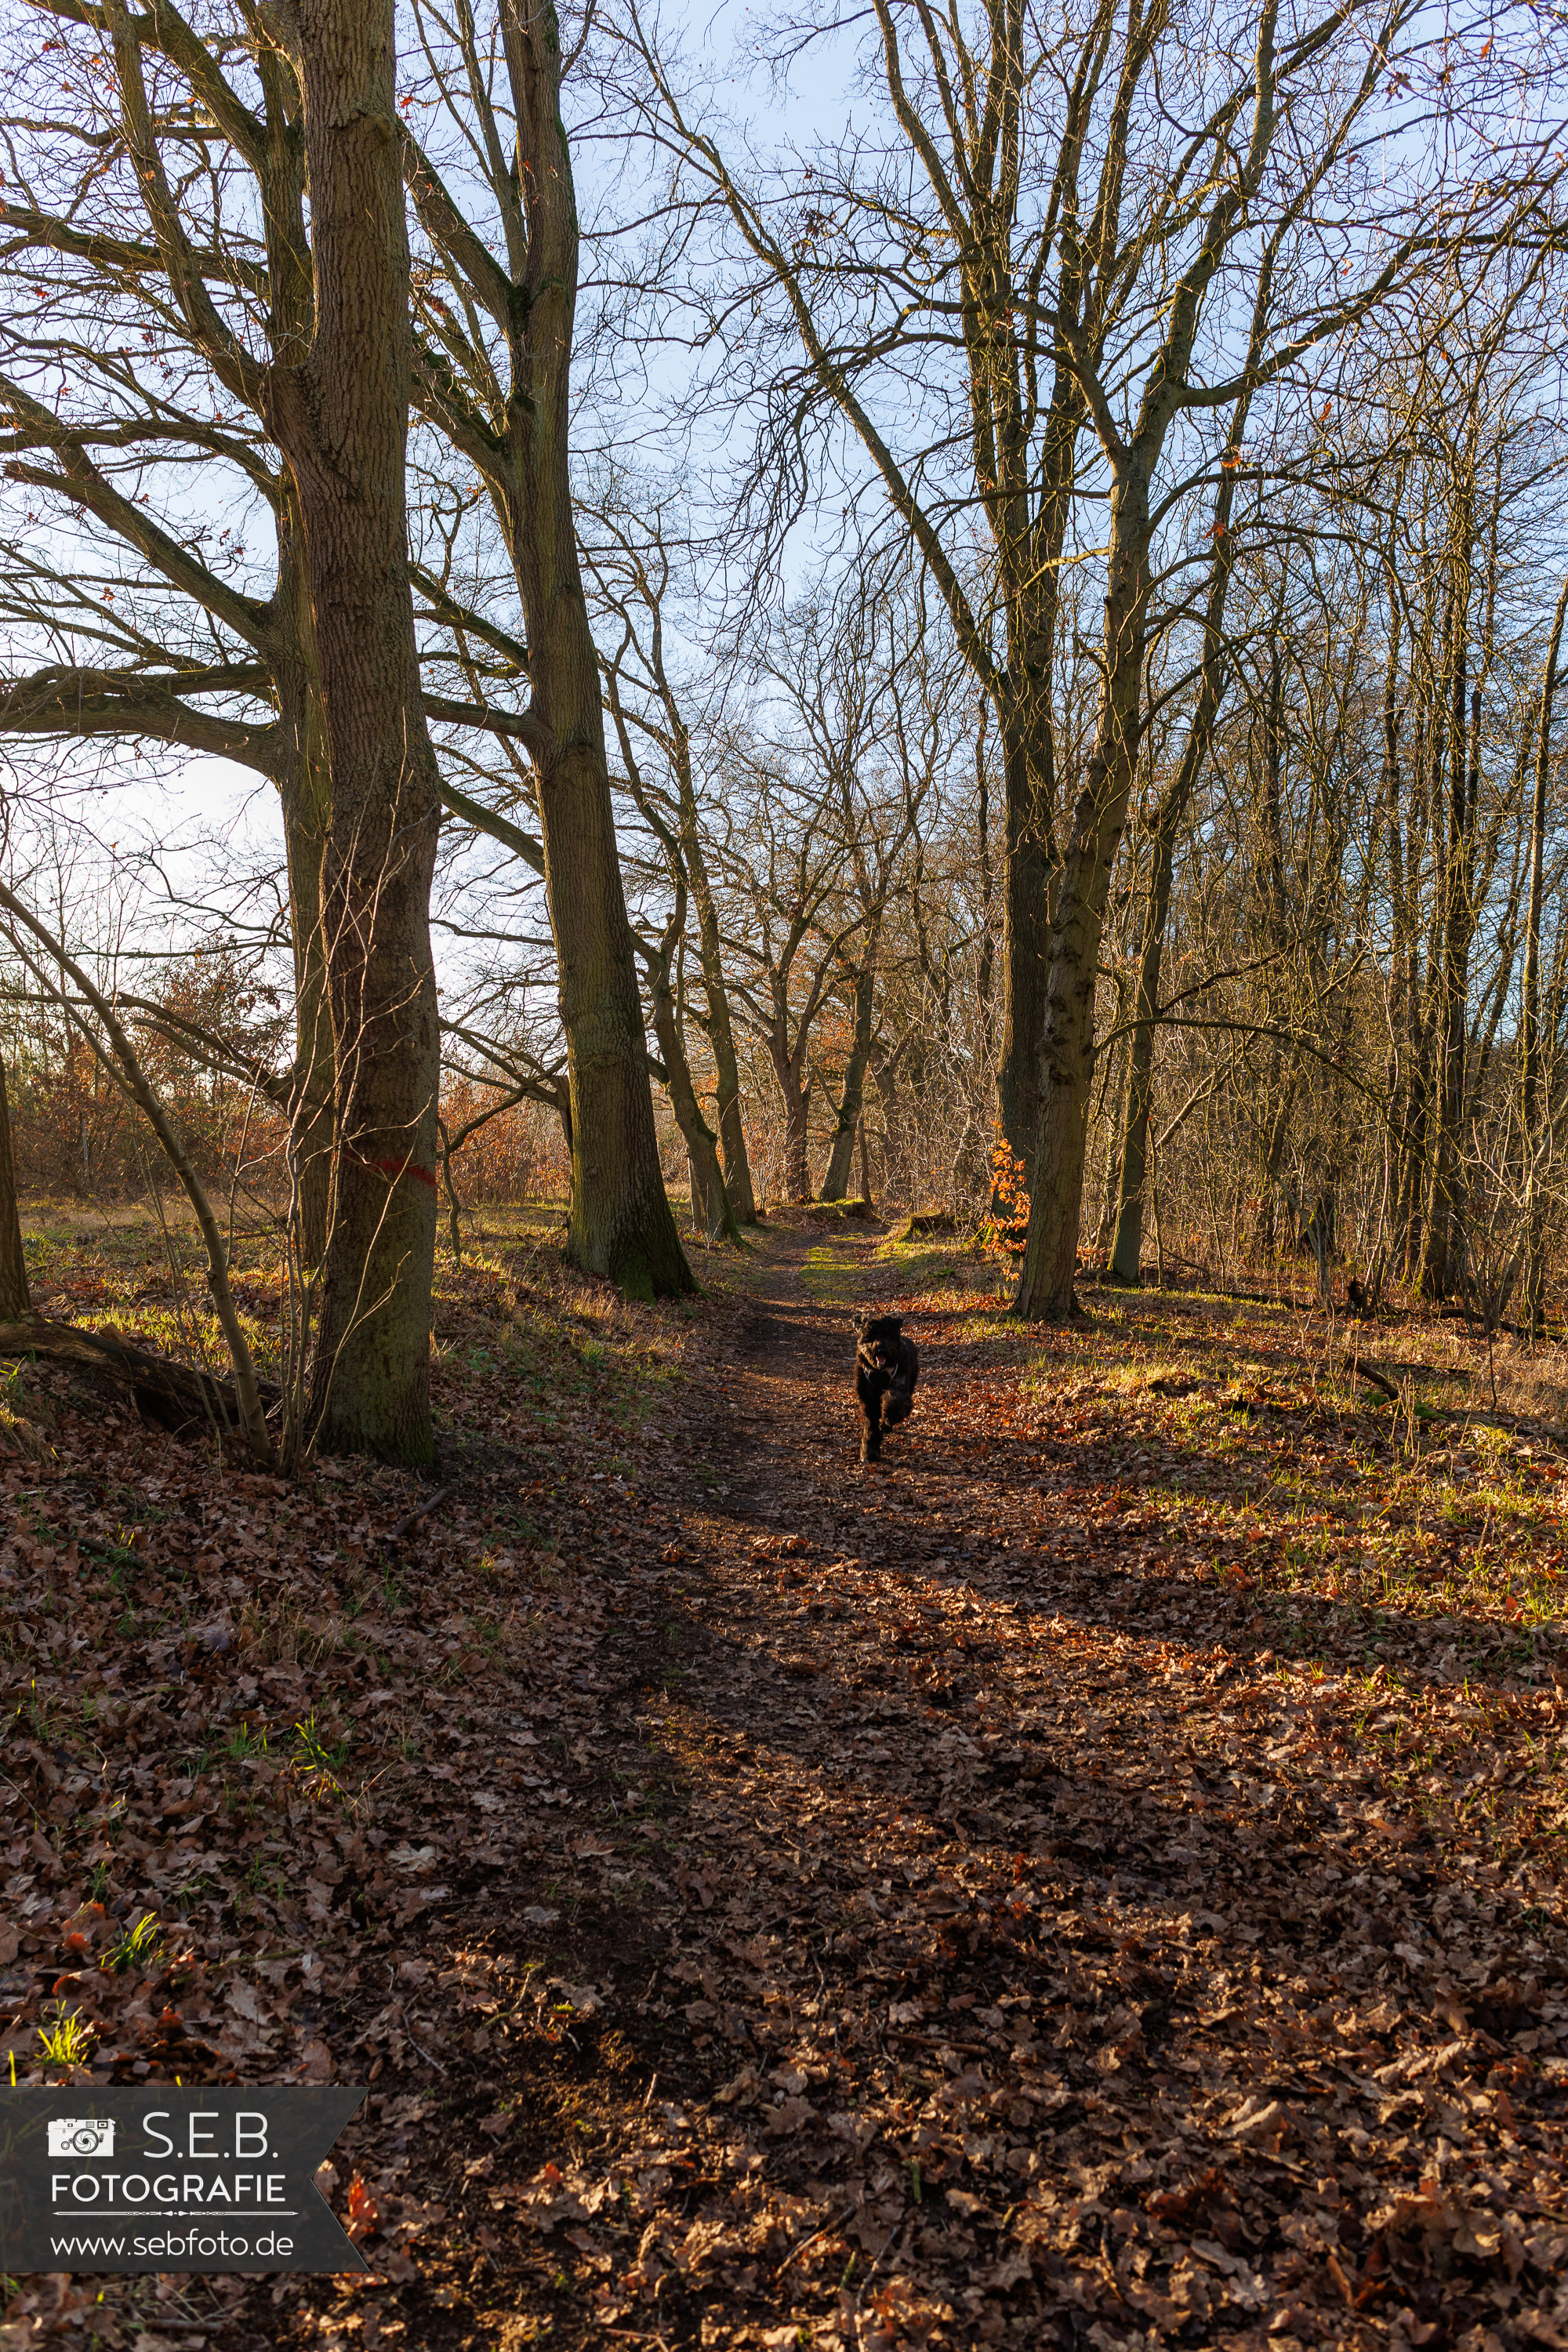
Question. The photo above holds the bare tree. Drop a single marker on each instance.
(631, 562)
(1531, 1094)
(778, 860)
(97, 1021)
(16, 1299)
(495, 375)
(861, 674)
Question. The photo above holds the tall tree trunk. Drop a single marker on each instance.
(1067, 1029)
(1396, 1149)
(621, 1222)
(1030, 548)
(15, 1300)
(1531, 1124)
(986, 968)
(1028, 868)
(841, 1157)
(797, 1096)
(742, 1200)
(710, 1196)
(340, 417)
(1443, 1259)
(1127, 1254)
(304, 791)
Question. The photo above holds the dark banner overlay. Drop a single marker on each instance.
(165, 2180)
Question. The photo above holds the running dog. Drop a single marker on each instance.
(885, 1365)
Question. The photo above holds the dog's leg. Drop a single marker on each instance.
(870, 1428)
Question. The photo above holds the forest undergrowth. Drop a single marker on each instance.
(1093, 1878)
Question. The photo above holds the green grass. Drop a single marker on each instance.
(65, 2037)
(140, 1948)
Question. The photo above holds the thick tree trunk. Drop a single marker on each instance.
(622, 1224)
(15, 1300)
(1029, 545)
(340, 418)
(796, 1097)
(1028, 864)
(1067, 1028)
(841, 1151)
(841, 1157)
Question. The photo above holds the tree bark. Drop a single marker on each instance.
(304, 791)
(1028, 866)
(1442, 1255)
(1532, 1125)
(795, 1092)
(621, 1221)
(743, 1199)
(1127, 1254)
(841, 1157)
(16, 1299)
(340, 417)
(1067, 1029)
(709, 1197)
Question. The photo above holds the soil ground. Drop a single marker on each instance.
(1094, 1877)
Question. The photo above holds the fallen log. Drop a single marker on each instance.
(1369, 1372)
(174, 1395)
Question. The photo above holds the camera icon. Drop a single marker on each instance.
(81, 2135)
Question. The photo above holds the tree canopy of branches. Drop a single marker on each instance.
(994, 637)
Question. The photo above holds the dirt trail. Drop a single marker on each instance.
(1011, 1894)
(1026, 1989)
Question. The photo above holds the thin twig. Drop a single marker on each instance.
(412, 1518)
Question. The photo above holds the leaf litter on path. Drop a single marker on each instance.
(1094, 1878)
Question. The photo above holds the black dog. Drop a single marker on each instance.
(885, 1365)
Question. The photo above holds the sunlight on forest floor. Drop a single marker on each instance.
(1152, 1644)
(1359, 1525)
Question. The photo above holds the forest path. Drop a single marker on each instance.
(808, 1561)
(1091, 1878)
(1048, 1941)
